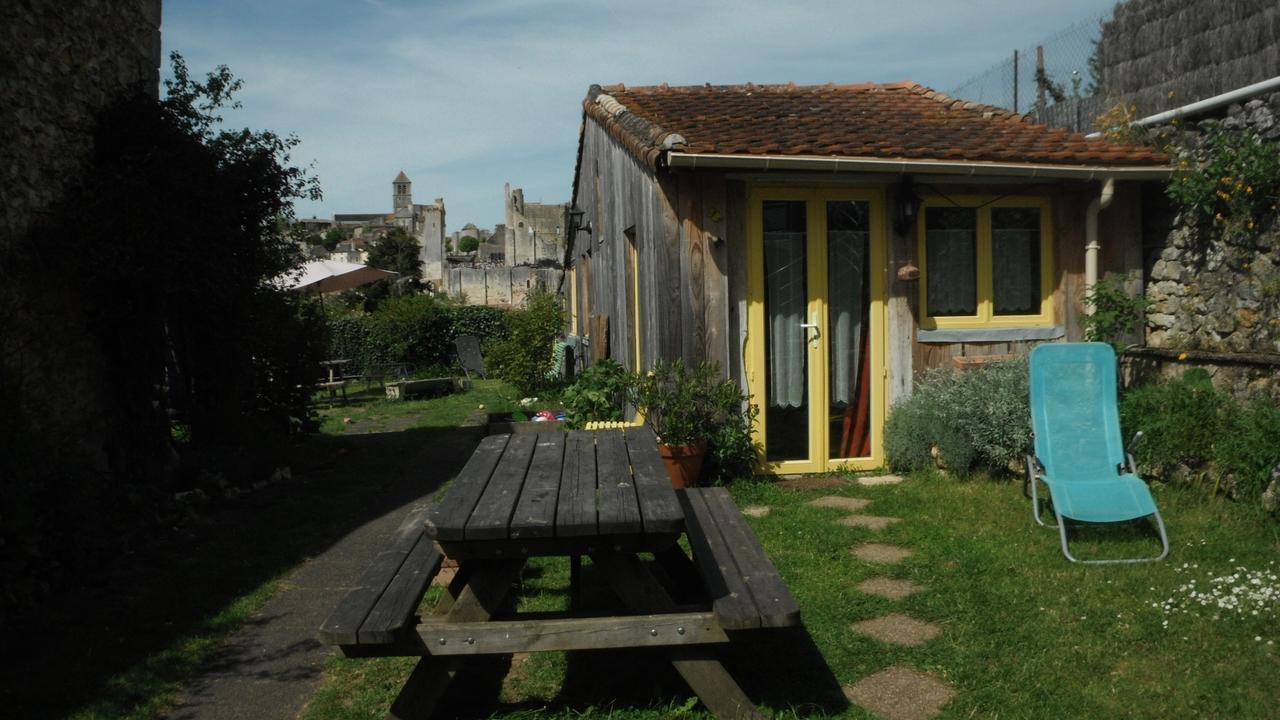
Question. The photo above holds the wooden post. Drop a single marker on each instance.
(1040, 101)
(1015, 81)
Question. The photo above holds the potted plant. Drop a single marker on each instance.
(678, 403)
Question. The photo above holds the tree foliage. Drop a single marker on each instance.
(468, 244)
(397, 251)
(332, 237)
(156, 276)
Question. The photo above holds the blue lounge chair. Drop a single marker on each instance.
(1079, 455)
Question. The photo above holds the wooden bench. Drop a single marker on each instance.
(745, 588)
(381, 608)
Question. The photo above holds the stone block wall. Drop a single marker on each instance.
(1215, 305)
(60, 61)
(500, 286)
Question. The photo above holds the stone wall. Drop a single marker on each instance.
(1220, 305)
(500, 286)
(534, 232)
(1161, 54)
(60, 61)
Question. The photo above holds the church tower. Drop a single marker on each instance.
(401, 196)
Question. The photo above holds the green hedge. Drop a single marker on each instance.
(415, 329)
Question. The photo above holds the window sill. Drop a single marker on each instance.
(991, 334)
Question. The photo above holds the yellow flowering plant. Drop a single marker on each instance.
(1231, 180)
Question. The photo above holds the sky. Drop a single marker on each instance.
(466, 96)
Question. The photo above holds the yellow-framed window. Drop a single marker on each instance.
(572, 282)
(985, 262)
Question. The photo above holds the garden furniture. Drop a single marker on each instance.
(602, 494)
(469, 356)
(1078, 451)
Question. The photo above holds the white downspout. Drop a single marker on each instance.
(1091, 244)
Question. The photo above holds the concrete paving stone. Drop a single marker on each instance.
(881, 553)
(901, 693)
(874, 522)
(851, 504)
(879, 480)
(756, 511)
(887, 587)
(897, 629)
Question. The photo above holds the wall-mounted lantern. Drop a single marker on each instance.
(908, 205)
(575, 222)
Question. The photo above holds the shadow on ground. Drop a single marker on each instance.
(74, 645)
(645, 678)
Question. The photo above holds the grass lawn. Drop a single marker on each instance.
(1024, 633)
(121, 644)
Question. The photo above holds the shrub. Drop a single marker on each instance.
(412, 329)
(598, 393)
(1179, 419)
(526, 358)
(1248, 446)
(978, 419)
(1186, 422)
(732, 451)
(1116, 313)
(687, 405)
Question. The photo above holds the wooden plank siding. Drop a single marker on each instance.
(679, 221)
(690, 229)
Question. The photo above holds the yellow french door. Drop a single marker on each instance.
(815, 326)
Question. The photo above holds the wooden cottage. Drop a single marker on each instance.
(826, 244)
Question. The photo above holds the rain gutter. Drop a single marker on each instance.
(691, 161)
(1207, 104)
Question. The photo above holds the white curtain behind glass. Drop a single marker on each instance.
(952, 284)
(785, 300)
(1013, 263)
(846, 250)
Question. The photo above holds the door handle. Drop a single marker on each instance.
(817, 333)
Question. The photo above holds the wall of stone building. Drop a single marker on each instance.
(534, 232)
(430, 237)
(500, 286)
(1220, 305)
(60, 62)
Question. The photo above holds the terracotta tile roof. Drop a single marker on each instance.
(884, 121)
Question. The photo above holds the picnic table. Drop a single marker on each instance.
(334, 384)
(601, 494)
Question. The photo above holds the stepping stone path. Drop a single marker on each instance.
(851, 504)
(895, 693)
(756, 511)
(879, 480)
(898, 629)
(881, 553)
(901, 693)
(887, 587)
(875, 522)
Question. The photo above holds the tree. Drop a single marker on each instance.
(167, 302)
(468, 243)
(332, 237)
(397, 251)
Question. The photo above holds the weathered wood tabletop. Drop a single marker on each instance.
(559, 494)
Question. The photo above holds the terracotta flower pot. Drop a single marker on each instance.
(683, 462)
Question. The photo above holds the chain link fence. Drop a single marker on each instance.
(1062, 94)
